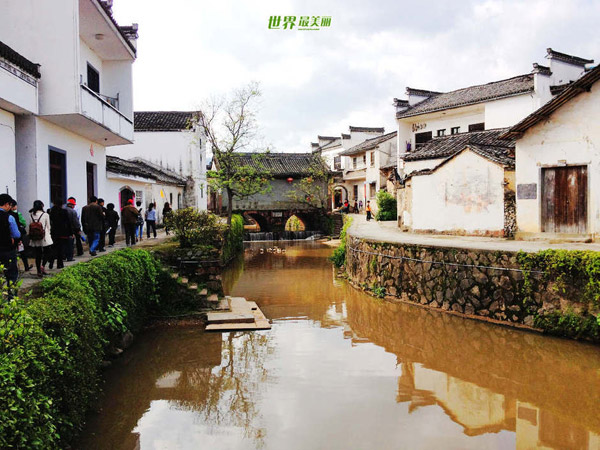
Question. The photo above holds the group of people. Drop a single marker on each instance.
(346, 208)
(55, 233)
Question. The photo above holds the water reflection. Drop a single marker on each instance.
(340, 369)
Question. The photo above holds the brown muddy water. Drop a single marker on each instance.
(342, 370)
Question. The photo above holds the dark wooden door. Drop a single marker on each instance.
(564, 199)
(90, 172)
(58, 176)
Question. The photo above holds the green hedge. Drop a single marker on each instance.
(386, 206)
(234, 241)
(52, 346)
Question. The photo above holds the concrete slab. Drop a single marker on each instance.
(241, 306)
(229, 317)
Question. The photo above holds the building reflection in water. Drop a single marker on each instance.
(486, 379)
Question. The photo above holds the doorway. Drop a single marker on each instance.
(90, 173)
(58, 175)
(564, 199)
(126, 195)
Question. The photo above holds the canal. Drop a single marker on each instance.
(342, 370)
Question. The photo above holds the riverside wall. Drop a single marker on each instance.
(484, 284)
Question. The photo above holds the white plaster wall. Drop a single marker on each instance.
(563, 72)
(8, 174)
(118, 80)
(183, 152)
(87, 55)
(46, 32)
(465, 194)
(508, 111)
(115, 183)
(35, 136)
(154, 196)
(413, 166)
(21, 95)
(570, 136)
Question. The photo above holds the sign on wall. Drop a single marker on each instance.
(527, 191)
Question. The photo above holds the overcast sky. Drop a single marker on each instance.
(320, 82)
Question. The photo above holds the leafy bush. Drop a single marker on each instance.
(195, 228)
(51, 347)
(234, 242)
(339, 254)
(386, 206)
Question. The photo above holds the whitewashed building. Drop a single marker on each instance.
(84, 95)
(364, 175)
(143, 181)
(18, 96)
(461, 130)
(170, 140)
(558, 164)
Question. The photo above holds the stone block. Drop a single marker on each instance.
(494, 307)
(475, 291)
(483, 312)
(446, 306)
(505, 282)
(469, 309)
(456, 307)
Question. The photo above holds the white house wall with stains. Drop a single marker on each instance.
(183, 152)
(464, 196)
(571, 136)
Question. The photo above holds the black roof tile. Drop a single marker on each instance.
(280, 165)
(163, 120)
(368, 144)
(20, 61)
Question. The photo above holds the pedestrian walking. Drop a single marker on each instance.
(151, 220)
(102, 239)
(368, 209)
(129, 216)
(9, 234)
(355, 207)
(92, 221)
(112, 217)
(61, 231)
(40, 238)
(72, 203)
(23, 242)
(167, 212)
(139, 226)
(75, 228)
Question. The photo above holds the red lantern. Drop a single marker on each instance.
(290, 179)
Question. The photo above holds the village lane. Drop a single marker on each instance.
(389, 232)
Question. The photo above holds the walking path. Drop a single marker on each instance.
(389, 232)
(30, 278)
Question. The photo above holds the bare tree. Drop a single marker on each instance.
(231, 128)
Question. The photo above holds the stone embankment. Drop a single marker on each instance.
(547, 291)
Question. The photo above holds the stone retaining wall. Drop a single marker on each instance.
(480, 283)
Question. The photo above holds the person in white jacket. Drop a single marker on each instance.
(43, 246)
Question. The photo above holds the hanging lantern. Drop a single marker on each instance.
(290, 179)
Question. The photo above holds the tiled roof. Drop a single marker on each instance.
(505, 156)
(163, 120)
(443, 147)
(336, 142)
(583, 84)
(20, 61)
(142, 168)
(369, 144)
(279, 165)
(557, 89)
(471, 95)
(575, 60)
(345, 136)
(366, 130)
(126, 32)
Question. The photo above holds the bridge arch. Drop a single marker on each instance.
(260, 220)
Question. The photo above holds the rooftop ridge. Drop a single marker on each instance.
(570, 59)
(366, 129)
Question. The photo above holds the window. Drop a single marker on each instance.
(178, 201)
(454, 130)
(354, 162)
(90, 171)
(477, 126)
(93, 79)
(372, 157)
(372, 189)
(170, 199)
(58, 175)
(139, 196)
(365, 159)
(337, 163)
(441, 133)
(422, 138)
(355, 191)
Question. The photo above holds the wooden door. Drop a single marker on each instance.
(564, 199)
(58, 176)
(90, 173)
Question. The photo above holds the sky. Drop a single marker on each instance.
(320, 82)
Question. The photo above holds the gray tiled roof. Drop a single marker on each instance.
(141, 168)
(163, 120)
(280, 165)
(443, 147)
(366, 129)
(368, 144)
(471, 95)
(575, 60)
(19, 60)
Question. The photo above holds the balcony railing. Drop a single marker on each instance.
(103, 110)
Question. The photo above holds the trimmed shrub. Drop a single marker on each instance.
(52, 347)
(195, 228)
(234, 242)
(386, 206)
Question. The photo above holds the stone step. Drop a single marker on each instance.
(229, 317)
(243, 308)
(224, 305)
(213, 298)
(174, 276)
(184, 280)
(193, 286)
(203, 292)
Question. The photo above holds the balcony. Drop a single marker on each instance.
(103, 112)
(18, 82)
(360, 173)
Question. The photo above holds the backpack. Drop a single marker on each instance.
(36, 229)
(140, 219)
